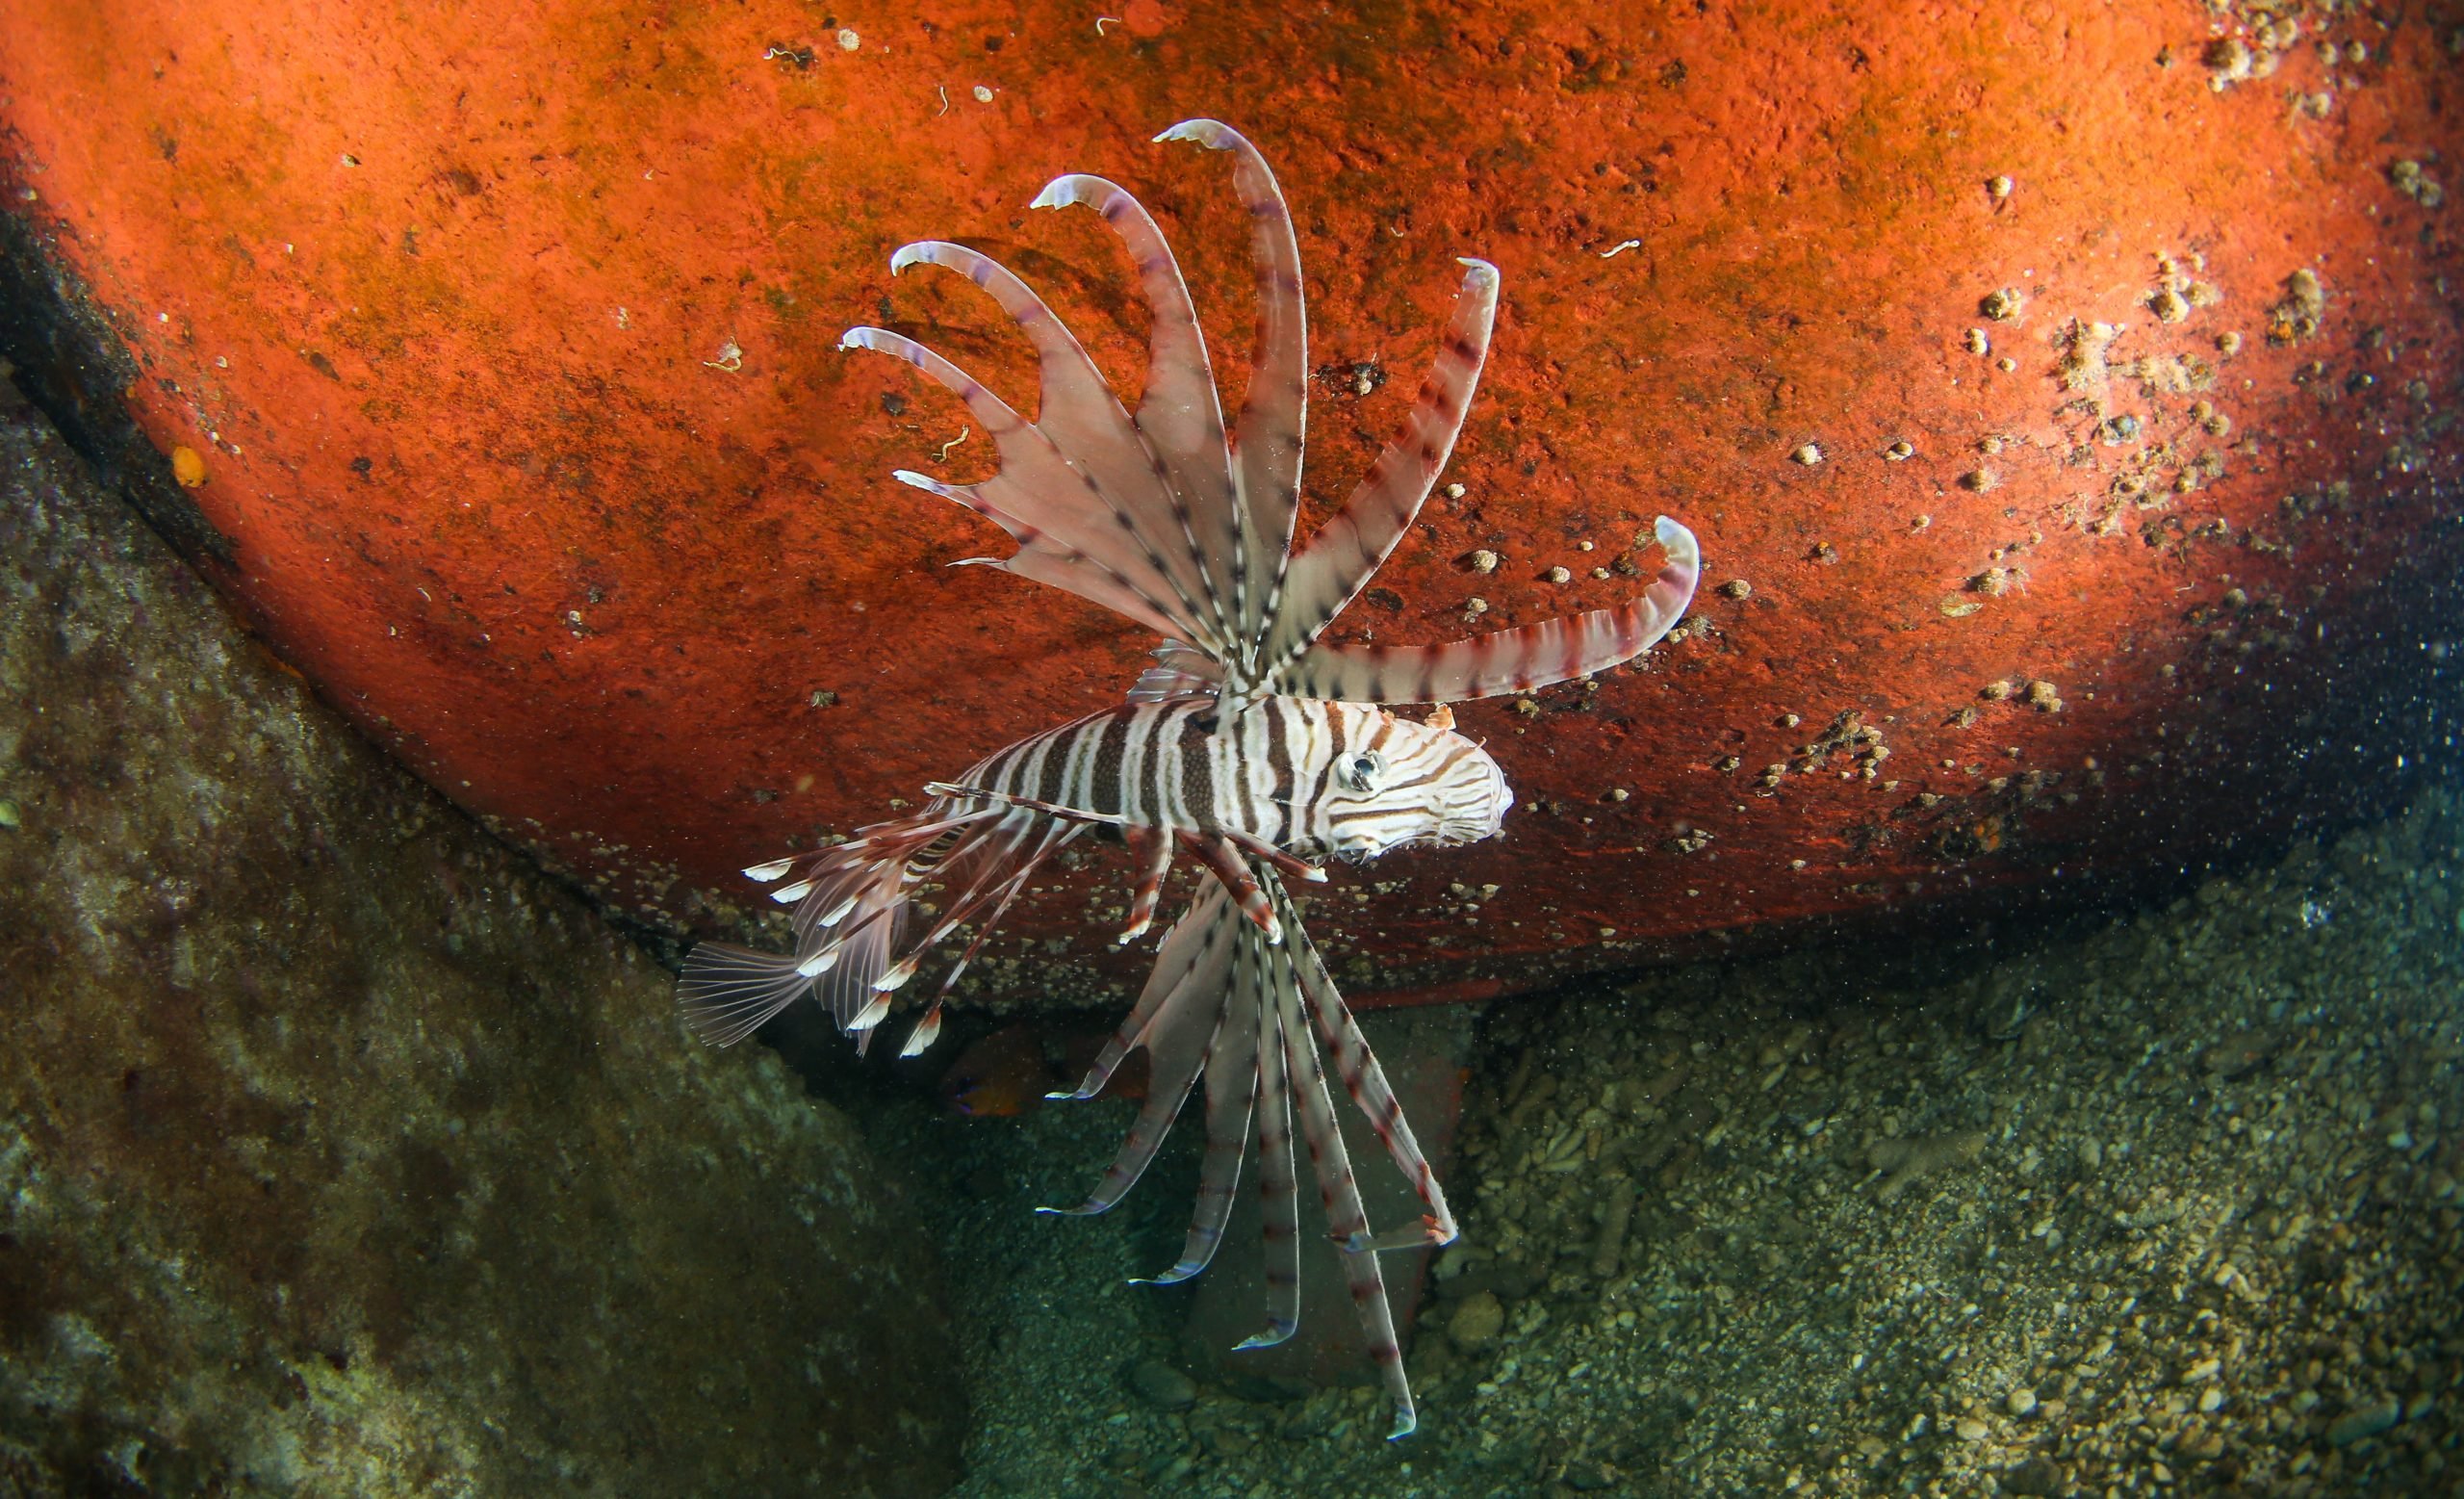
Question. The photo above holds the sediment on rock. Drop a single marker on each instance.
(342, 1153)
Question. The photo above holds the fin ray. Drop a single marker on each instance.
(1079, 413)
(1182, 1034)
(1506, 660)
(1231, 1097)
(1071, 533)
(728, 993)
(1340, 1192)
(1349, 549)
(1180, 413)
(1270, 433)
(1278, 1185)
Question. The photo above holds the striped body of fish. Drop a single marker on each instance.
(1253, 746)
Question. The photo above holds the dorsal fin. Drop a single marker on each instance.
(1348, 550)
(1270, 436)
(1180, 413)
(1171, 522)
(1160, 517)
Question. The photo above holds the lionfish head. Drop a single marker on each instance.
(1416, 783)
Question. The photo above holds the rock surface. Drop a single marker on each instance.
(2105, 355)
(2192, 1225)
(340, 1153)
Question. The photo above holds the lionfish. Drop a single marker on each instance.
(1252, 745)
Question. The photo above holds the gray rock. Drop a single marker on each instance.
(1161, 1385)
(1477, 1322)
(336, 1140)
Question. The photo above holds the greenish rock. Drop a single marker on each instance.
(2364, 1420)
(342, 1153)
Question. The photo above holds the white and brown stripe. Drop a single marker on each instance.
(1276, 776)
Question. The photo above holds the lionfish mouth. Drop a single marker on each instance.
(1451, 836)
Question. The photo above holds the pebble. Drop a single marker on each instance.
(2364, 1421)
(1161, 1385)
(2066, 1362)
(1477, 1322)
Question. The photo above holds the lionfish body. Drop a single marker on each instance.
(1253, 747)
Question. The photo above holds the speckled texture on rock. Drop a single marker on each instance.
(2164, 1204)
(340, 1153)
(503, 340)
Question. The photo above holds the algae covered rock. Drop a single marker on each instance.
(342, 1153)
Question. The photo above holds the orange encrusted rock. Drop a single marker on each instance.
(2115, 350)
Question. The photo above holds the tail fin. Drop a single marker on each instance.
(728, 993)
(850, 919)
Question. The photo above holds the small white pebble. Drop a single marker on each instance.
(1582, 546)
(1809, 455)
(982, 94)
(1484, 560)
(1454, 491)
(1560, 574)
(848, 41)
(1997, 188)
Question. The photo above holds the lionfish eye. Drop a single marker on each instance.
(1357, 772)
